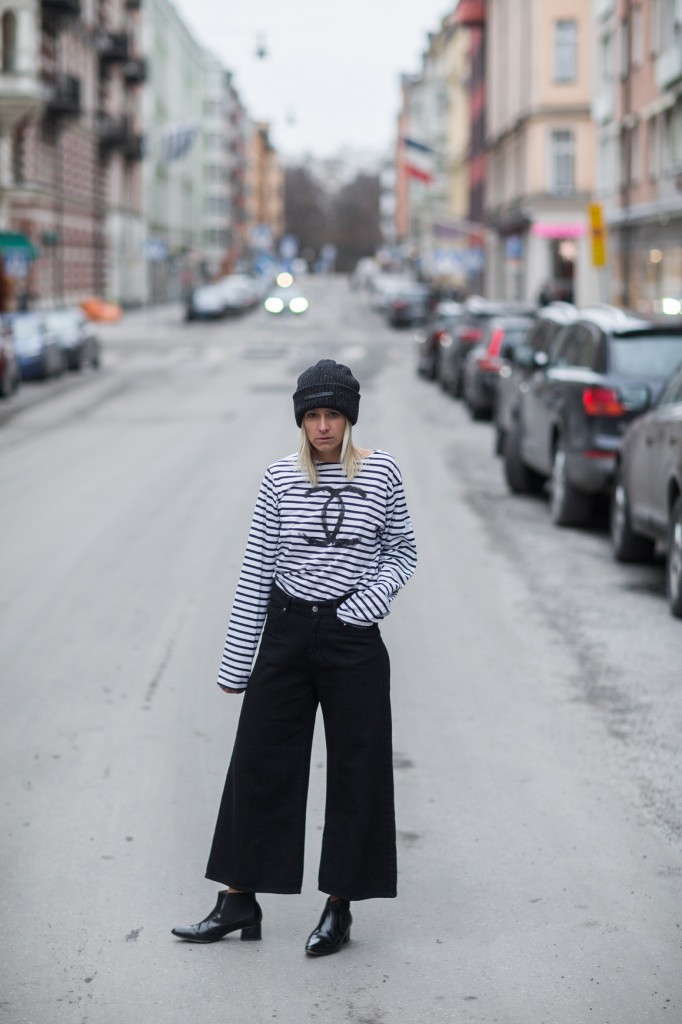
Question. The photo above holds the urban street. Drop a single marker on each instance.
(536, 698)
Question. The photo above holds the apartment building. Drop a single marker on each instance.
(266, 191)
(638, 110)
(174, 184)
(70, 150)
(541, 149)
(435, 167)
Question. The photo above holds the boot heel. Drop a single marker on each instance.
(252, 933)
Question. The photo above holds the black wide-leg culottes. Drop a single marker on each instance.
(308, 657)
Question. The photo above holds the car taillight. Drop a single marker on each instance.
(469, 335)
(399, 304)
(602, 402)
(489, 364)
(490, 361)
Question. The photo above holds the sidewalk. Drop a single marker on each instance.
(148, 323)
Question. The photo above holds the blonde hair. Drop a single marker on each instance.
(351, 459)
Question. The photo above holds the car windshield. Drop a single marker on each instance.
(25, 327)
(60, 318)
(646, 355)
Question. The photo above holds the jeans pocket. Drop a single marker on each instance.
(351, 630)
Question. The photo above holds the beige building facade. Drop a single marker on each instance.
(541, 150)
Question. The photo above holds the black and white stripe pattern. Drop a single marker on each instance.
(319, 543)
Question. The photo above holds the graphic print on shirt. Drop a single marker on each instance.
(333, 514)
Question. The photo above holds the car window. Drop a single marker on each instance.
(646, 355)
(578, 346)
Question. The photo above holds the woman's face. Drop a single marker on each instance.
(324, 429)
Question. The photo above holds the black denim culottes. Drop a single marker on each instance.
(308, 657)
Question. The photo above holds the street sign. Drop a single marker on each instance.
(597, 234)
(15, 263)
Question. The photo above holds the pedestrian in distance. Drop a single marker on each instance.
(330, 545)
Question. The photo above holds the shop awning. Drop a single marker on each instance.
(12, 243)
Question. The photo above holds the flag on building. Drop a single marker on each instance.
(176, 141)
(419, 160)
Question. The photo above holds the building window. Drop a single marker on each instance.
(637, 37)
(566, 51)
(636, 155)
(606, 182)
(216, 205)
(624, 48)
(653, 149)
(654, 27)
(671, 140)
(9, 41)
(562, 162)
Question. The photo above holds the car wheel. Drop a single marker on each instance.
(567, 505)
(628, 546)
(6, 384)
(520, 477)
(673, 564)
(499, 440)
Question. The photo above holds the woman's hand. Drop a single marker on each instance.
(228, 689)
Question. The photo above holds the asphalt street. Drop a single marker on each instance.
(537, 698)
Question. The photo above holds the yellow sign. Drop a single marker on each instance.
(597, 234)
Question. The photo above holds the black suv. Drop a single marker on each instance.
(468, 333)
(522, 362)
(602, 370)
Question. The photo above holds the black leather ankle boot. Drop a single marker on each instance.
(234, 910)
(332, 931)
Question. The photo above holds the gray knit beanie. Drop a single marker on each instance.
(327, 385)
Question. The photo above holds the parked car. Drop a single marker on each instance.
(469, 332)
(383, 289)
(409, 306)
(10, 374)
(602, 371)
(485, 362)
(76, 335)
(646, 505)
(205, 303)
(238, 292)
(435, 334)
(522, 363)
(38, 350)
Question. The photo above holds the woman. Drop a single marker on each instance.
(330, 545)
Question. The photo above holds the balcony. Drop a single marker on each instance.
(116, 134)
(113, 133)
(134, 148)
(62, 9)
(113, 48)
(21, 95)
(63, 96)
(135, 71)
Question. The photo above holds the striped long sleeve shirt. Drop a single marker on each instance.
(318, 543)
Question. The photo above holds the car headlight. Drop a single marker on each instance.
(298, 305)
(274, 304)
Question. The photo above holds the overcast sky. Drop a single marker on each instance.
(331, 77)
